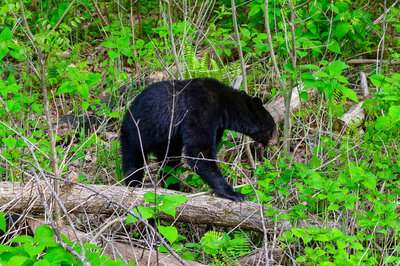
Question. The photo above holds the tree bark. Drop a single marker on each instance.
(199, 209)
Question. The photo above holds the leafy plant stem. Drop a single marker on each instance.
(246, 138)
(61, 18)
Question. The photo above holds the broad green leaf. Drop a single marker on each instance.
(262, 46)
(22, 239)
(301, 53)
(342, 29)
(41, 263)
(336, 68)
(17, 261)
(144, 212)
(340, 7)
(113, 54)
(329, 88)
(73, 73)
(349, 93)
(6, 34)
(3, 49)
(334, 46)
(304, 95)
(309, 66)
(356, 245)
(321, 237)
(123, 42)
(169, 232)
(114, 114)
(357, 171)
(65, 88)
(370, 184)
(254, 10)
(394, 112)
(83, 90)
(43, 231)
(3, 225)
(93, 78)
(170, 203)
(108, 45)
(17, 53)
(379, 80)
(9, 142)
(299, 232)
(289, 67)
(85, 106)
(228, 52)
(382, 122)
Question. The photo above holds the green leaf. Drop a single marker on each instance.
(301, 53)
(83, 90)
(73, 73)
(22, 239)
(298, 232)
(334, 46)
(348, 93)
(304, 95)
(357, 171)
(379, 80)
(262, 46)
(254, 10)
(169, 232)
(3, 49)
(16, 261)
(85, 106)
(333, 207)
(356, 245)
(109, 45)
(342, 29)
(370, 184)
(328, 89)
(382, 122)
(114, 114)
(228, 52)
(394, 112)
(3, 225)
(43, 231)
(41, 263)
(123, 42)
(144, 212)
(340, 7)
(309, 66)
(289, 67)
(113, 54)
(9, 142)
(6, 34)
(170, 203)
(66, 88)
(336, 68)
(93, 78)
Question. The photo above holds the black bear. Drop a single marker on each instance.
(192, 115)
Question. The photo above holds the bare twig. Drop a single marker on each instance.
(243, 67)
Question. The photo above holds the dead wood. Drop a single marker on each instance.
(277, 106)
(204, 209)
(142, 256)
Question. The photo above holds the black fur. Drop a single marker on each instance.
(201, 110)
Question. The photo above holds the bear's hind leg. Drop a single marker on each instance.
(175, 150)
(132, 166)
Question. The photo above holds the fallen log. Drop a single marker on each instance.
(202, 209)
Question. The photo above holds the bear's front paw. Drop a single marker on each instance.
(232, 195)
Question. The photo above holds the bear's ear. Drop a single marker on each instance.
(256, 105)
